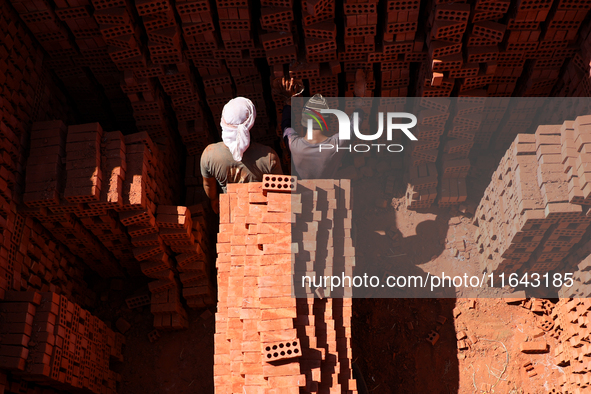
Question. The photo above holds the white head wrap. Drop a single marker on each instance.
(238, 118)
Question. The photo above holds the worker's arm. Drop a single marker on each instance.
(286, 123)
(210, 185)
(286, 117)
(287, 88)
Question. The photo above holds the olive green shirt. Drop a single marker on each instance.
(257, 160)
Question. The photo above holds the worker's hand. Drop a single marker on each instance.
(286, 87)
(289, 86)
(360, 83)
(215, 205)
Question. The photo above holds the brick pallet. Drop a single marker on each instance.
(258, 322)
(56, 343)
(534, 210)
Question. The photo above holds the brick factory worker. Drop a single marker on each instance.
(236, 159)
(308, 160)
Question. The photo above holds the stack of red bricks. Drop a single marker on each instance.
(447, 22)
(33, 260)
(457, 140)
(519, 117)
(102, 206)
(467, 121)
(571, 354)
(92, 40)
(400, 47)
(277, 37)
(217, 82)
(421, 190)
(494, 52)
(198, 29)
(576, 80)
(57, 202)
(56, 343)
(580, 262)
(474, 51)
(165, 303)
(29, 257)
(194, 261)
(324, 244)
(280, 42)
(361, 19)
(534, 209)
(29, 94)
(422, 179)
(320, 32)
(266, 341)
(491, 117)
(185, 239)
(147, 102)
(45, 24)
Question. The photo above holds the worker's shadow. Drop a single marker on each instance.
(397, 320)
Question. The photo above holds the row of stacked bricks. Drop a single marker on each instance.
(576, 81)
(30, 258)
(361, 19)
(54, 342)
(266, 341)
(457, 143)
(316, 63)
(400, 46)
(485, 46)
(64, 180)
(422, 176)
(464, 43)
(28, 94)
(138, 215)
(51, 27)
(534, 210)
(102, 205)
(446, 131)
(147, 83)
(572, 352)
(108, 47)
(322, 233)
(184, 231)
(580, 262)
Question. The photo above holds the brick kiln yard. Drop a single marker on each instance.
(117, 277)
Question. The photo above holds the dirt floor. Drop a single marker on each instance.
(389, 334)
(390, 346)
